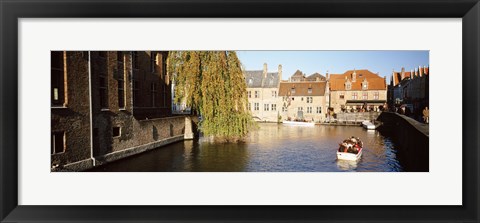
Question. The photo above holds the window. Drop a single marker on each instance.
(120, 56)
(249, 93)
(103, 88)
(300, 108)
(135, 93)
(135, 60)
(58, 142)
(249, 106)
(274, 94)
(342, 95)
(256, 94)
(164, 87)
(319, 110)
(116, 131)
(274, 107)
(266, 107)
(153, 62)
(375, 95)
(284, 109)
(302, 99)
(365, 96)
(354, 96)
(256, 106)
(365, 85)
(348, 86)
(85, 55)
(293, 90)
(153, 89)
(250, 81)
(102, 54)
(58, 78)
(309, 109)
(121, 91)
(309, 99)
(310, 90)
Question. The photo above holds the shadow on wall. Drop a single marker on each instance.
(155, 133)
(411, 138)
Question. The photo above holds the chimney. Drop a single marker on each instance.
(279, 71)
(393, 77)
(425, 71)
(265, 70)
(416, 72)
(420, 70)
(327, 75)
(403, 73)
(354, 75)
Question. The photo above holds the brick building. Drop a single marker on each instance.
(356, 89)
(262, 93)
(107, 105)
(410, 88)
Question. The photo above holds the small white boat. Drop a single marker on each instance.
(349, 156)
(299, 123)
(368, 125)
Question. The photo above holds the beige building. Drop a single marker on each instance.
(262, 93)
(356, 89)
(303, 100)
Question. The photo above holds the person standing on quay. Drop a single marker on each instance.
(425, 114)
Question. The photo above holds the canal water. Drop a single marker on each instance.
(270, 148)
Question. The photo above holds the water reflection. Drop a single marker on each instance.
(271, 148)
(347, 165)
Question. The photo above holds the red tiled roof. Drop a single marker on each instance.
(397, 76)
(301, 88)
(375, 82)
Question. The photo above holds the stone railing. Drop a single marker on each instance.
(356, 117)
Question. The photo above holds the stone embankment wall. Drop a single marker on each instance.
(137, 137)
(412, 138)
(357, 117)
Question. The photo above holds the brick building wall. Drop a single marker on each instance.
(70, 122)
(131, 107)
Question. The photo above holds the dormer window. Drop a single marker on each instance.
(309, 90)
(364, 85)
(292, 90)
(348, 86)
(250, 81)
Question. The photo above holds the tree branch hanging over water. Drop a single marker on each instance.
(212, 83)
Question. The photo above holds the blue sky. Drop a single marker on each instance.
(335, 62)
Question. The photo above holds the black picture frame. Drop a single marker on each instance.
(11, 11)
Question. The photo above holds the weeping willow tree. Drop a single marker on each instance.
(212, 84)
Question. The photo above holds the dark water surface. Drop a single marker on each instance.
(271, 148)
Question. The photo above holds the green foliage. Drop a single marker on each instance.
(212, 83)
